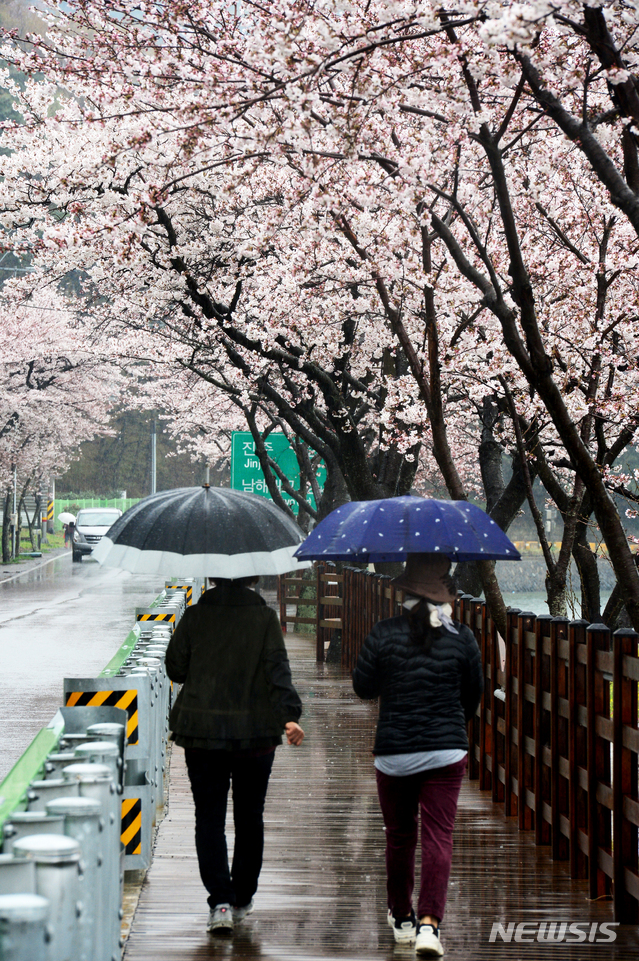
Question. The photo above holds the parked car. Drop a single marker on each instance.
(91, 525)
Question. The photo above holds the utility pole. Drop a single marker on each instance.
(15, 512)
(153, 455)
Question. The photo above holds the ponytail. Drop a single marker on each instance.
(421, 630)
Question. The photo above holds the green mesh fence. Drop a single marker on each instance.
(75, 504)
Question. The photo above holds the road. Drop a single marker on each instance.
(59, 620)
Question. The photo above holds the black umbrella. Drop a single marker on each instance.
(202, 532)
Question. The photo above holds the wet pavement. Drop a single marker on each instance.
(322, 888)
(58, 619)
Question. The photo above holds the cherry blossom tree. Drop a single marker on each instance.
(54, 393)
(376, 224)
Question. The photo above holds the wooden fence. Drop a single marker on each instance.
(321, 590)
(556, 737)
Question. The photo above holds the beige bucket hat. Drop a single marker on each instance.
(426, 576)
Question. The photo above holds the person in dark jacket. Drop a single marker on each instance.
(426, 670)
(236, 700)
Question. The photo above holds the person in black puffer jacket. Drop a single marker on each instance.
(426, 670)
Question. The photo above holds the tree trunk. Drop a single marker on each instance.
(335, 493)
(588, 578)
(556, 593)
(20, 499)
(6, 527)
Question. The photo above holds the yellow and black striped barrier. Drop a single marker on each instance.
(126, 700)
(167, 618)
(188, 588)
(49, 512)
(131, 829)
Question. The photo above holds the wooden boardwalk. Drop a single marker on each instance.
(322, 890)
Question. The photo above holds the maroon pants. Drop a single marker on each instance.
(434, 795)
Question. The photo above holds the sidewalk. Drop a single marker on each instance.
(9, 572)
(322, 889)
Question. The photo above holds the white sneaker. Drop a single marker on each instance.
(220, 918)
(404, 929)
(240, 913)
(427, 943)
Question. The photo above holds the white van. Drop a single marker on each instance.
(91, 525)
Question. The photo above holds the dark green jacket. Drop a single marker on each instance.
(229, 654)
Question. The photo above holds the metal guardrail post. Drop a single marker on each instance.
(102, 752)
(83, 821)
(17, 875)
(96, 781)
(111, 732)
(163, 708)
(153, 760)
(57, 863)
(69, 741)
(24, 824)
(23, 935)
(55, 762)
(40, 792)
(153, 666)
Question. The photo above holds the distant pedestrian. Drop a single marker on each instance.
(68, 534)
(426, 670)
(236, 701)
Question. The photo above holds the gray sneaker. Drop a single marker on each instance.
(240, 913)
(220, 918)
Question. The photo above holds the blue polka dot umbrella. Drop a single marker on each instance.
(389, 529)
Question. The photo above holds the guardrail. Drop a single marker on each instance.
(79, 808)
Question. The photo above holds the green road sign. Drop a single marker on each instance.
(246, 473)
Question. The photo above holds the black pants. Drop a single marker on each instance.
(211, 774)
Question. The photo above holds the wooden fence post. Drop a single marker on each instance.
(577, 749)
(281, 596)
(493, 679)
(599, 822)
(542, 730)
(525, 721)
(624, 776)
(320, 655)
(476, 722)
(510, 801)
(347, 616)
(560, 812)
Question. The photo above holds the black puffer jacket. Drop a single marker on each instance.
(426, 697)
